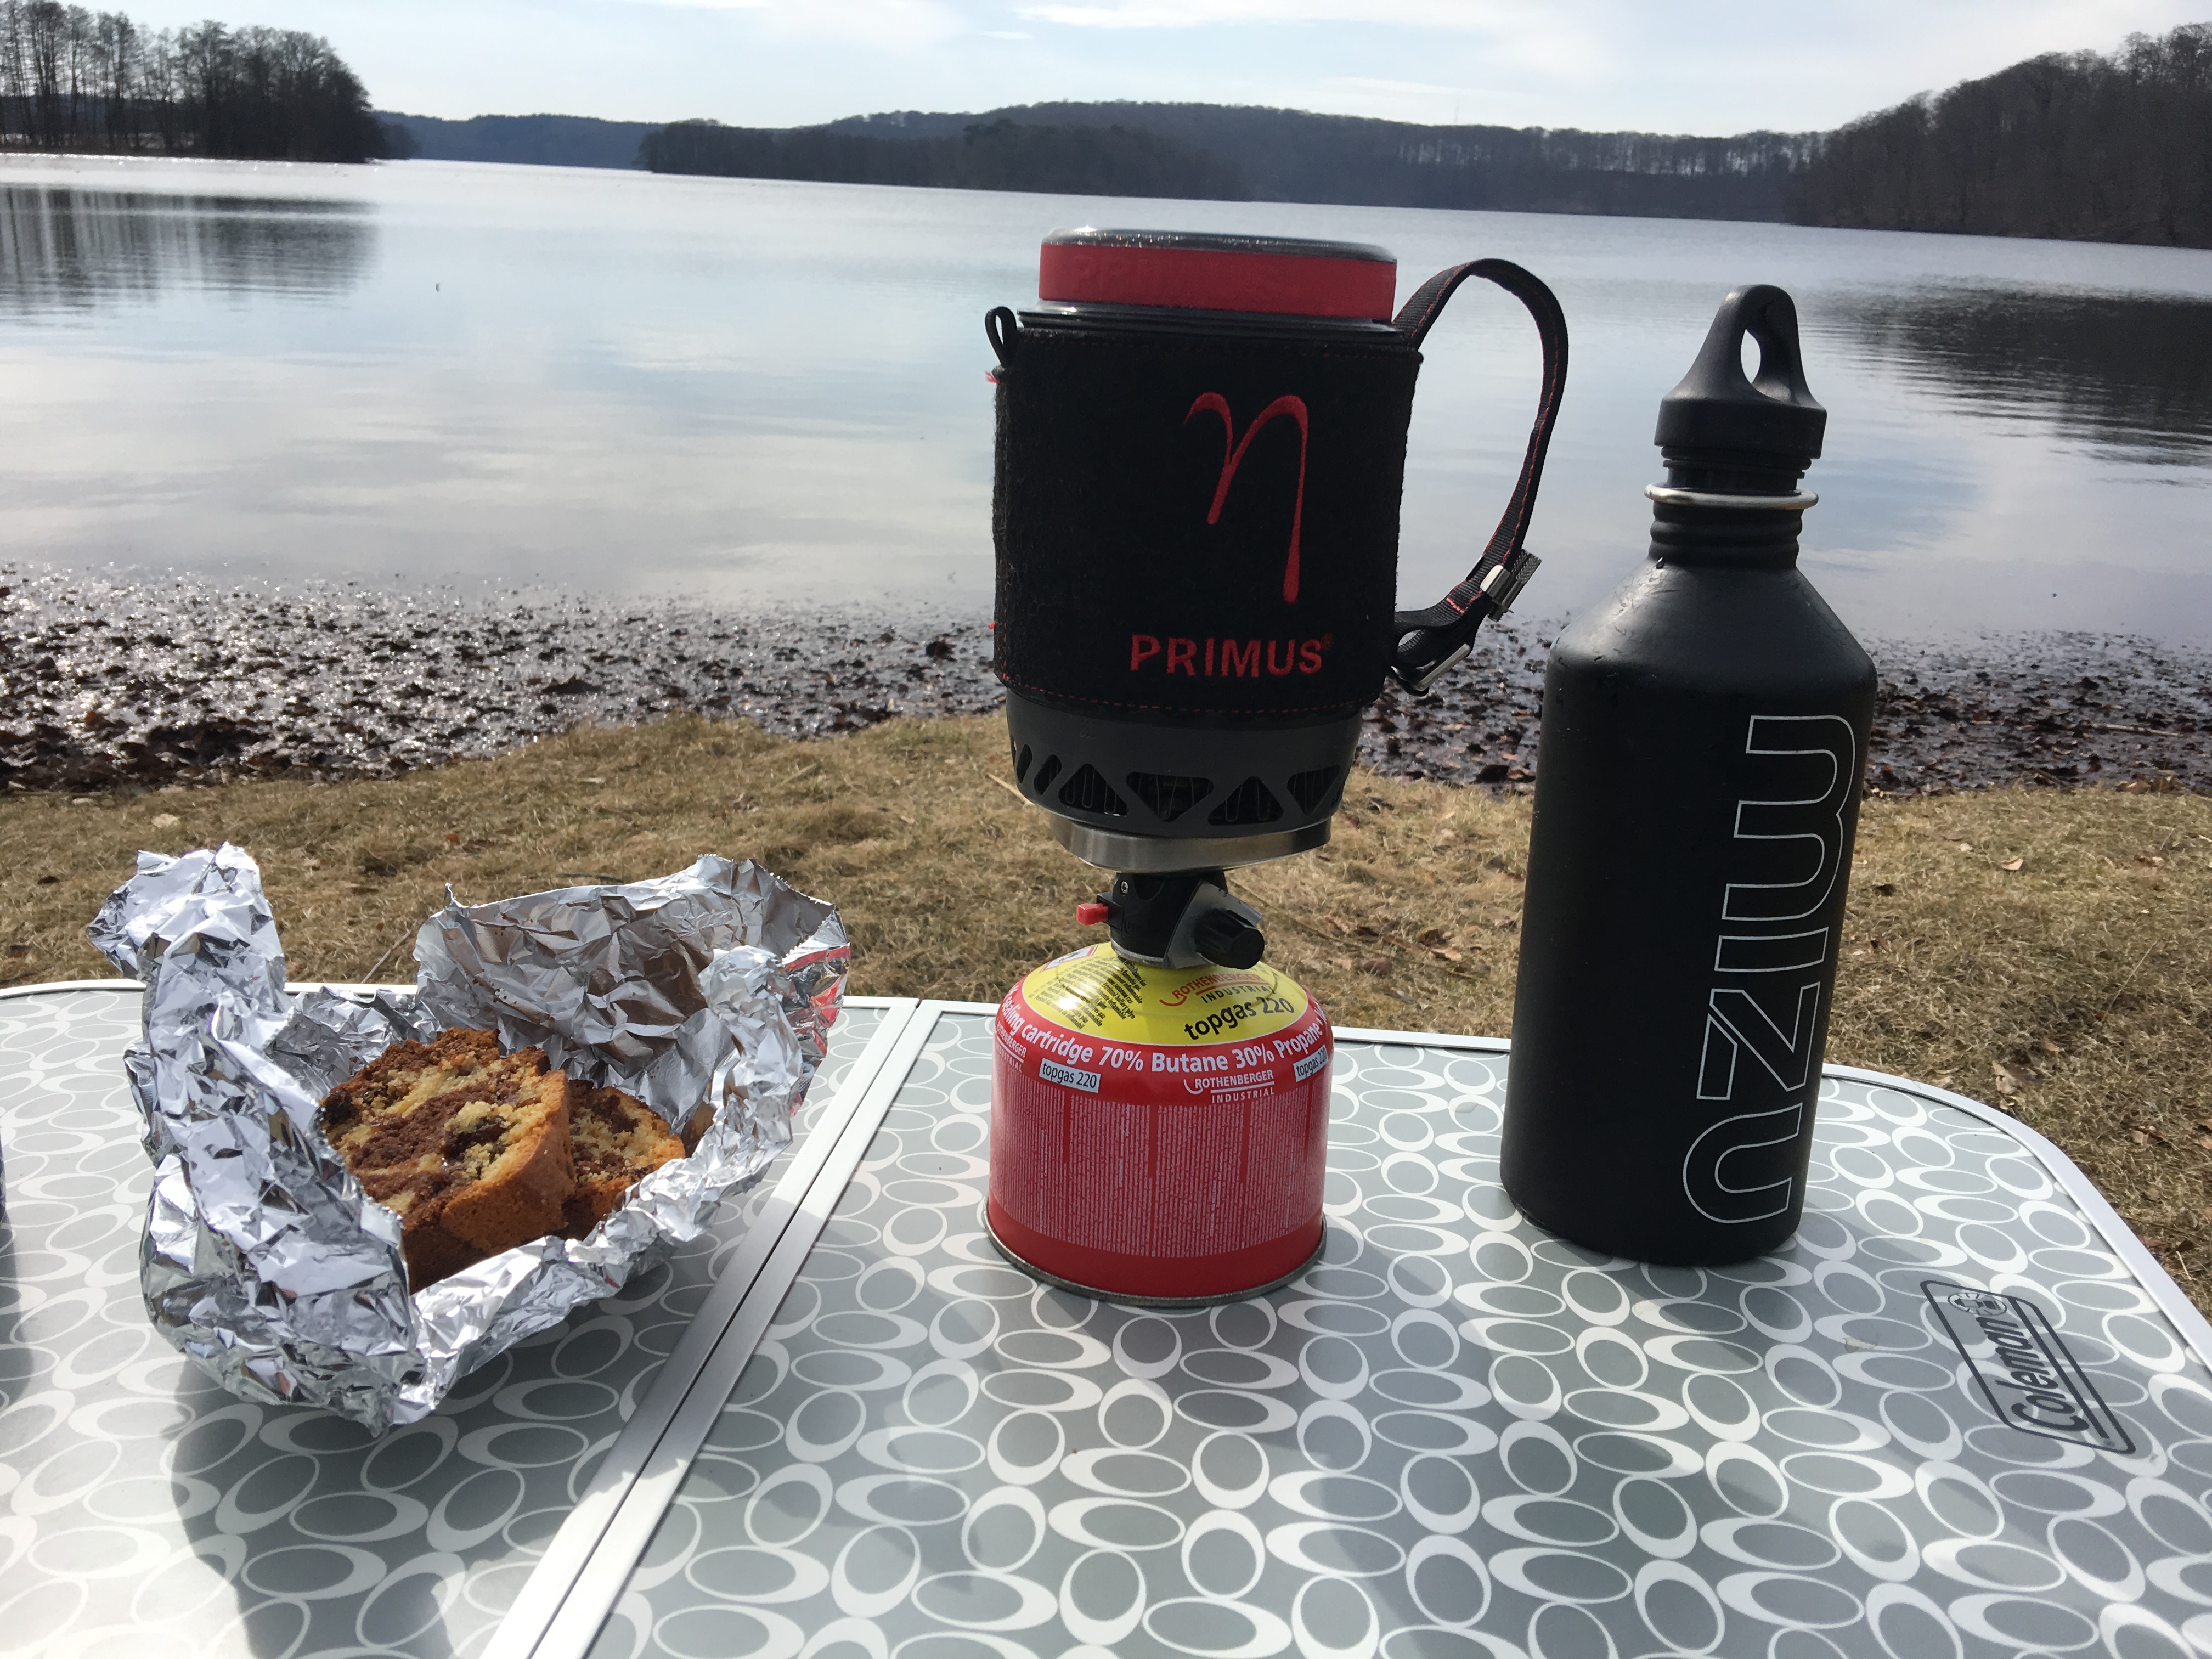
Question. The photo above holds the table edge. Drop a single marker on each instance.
(2188, 1322)
(68, 987)
(49, 988)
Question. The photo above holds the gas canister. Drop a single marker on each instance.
(1159, 1134)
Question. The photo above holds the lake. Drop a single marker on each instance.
(434, 374)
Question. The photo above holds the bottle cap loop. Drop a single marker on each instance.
(1727, 416)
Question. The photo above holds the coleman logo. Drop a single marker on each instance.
(2031, 1381)
(1233, 457)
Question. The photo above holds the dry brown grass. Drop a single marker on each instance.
(2075, 990)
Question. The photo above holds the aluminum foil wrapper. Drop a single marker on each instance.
(265, 1261)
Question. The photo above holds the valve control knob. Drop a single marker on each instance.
(1091, 913)
(1229, 940)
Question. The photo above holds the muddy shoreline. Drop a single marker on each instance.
(109, 685)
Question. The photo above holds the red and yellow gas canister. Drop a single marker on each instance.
(1159, 1134)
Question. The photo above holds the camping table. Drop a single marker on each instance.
(1455, 1435)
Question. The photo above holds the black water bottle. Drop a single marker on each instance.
(1704, 731)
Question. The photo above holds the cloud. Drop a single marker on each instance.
(1571, 42)
(1397, 89)
(887, 25)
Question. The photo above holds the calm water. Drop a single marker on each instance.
(438, 373)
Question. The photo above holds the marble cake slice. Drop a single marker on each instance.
(614, 1141)
(469, 1145)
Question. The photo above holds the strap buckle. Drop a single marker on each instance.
(1502, 596)
(1431, 646)
(1418, 681)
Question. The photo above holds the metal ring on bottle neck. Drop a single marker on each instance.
(1668, 495)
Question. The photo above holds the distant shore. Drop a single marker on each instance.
(109, 685)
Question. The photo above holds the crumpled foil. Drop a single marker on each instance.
(265, 1261)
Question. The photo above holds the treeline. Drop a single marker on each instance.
(2084, 146)
(546, 141)
(1207, 151)
(1290, 156)
(77, 80)
(1201, 150)
(1001, 154)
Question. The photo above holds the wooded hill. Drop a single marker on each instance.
(2112, 146)
(1205, 150)
(1290, 155)
(1076, 160)
(546, 141)
(2083, 146)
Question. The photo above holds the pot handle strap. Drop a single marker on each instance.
(1429, 642)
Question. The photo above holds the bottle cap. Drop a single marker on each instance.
(1727, 416)
(1285, 275)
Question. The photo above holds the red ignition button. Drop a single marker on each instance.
(1091, 914)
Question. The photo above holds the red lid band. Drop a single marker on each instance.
(1210, 279)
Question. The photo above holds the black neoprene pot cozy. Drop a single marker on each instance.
(1201, 442)
(1704, 732)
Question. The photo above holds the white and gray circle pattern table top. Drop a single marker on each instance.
(139, 1504)
(1961, 1415)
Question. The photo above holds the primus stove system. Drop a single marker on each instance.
(1201, 444)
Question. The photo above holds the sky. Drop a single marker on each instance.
(1696, 66)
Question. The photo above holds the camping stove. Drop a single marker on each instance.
(1201, 442)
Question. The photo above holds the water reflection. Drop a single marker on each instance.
(741, 391)
(76, 250)
(2127, 372)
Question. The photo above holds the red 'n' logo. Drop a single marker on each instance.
(1233, 453)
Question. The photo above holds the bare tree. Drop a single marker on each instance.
(118, 37)
(74, 79)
